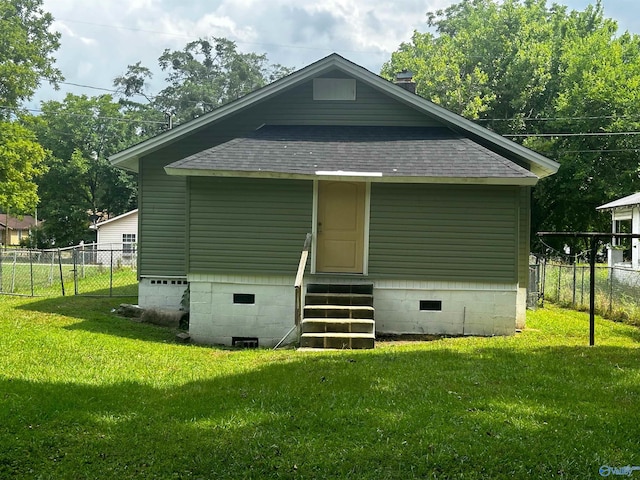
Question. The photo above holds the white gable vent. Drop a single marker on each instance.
(334, 89)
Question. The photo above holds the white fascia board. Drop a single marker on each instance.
(353, 176)
(628, 201)
(114, 219)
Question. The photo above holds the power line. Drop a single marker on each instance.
(620, 150)
(89, 86)
(80, 115)
(584, 134)
(550, 119)
(530, 119)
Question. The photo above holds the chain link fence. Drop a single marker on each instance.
(617, 288)
(80, 270)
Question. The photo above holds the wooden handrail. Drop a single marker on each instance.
(300, 278)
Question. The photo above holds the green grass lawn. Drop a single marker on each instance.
(84, 394)
(568, 286)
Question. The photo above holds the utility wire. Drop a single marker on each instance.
(89, 86)
(549, 119)
(539, 119)
(80, 115)
(157, 122)
(584, 134)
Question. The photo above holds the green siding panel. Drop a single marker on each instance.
(162, 247)
(525, 236)
(370, 108)
(164, 204)
(444, 232)
(252, 226)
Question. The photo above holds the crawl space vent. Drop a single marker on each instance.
(431, 305)
(244, 298)
(244, 342)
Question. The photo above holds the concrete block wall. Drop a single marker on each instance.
(161, 292)
(465, 309)
(218, 315)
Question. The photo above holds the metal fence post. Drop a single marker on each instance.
(13, 271)
(611, 290)
(543, 281)
(558, 299)
(573, 290)
(60, 268)
(582, 286)
(111, 274)
(75, 271)
(31, 270)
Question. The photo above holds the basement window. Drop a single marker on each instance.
(431, 305)
(244, 298)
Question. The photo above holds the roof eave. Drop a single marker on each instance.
(114, 219)
(373, 177)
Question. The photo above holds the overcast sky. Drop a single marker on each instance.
(100, 38)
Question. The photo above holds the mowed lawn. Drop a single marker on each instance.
(87, 395)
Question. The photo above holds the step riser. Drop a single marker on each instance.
(366, 289)
(340, 343)
(333, 299)
(332, 312)
(343, 327)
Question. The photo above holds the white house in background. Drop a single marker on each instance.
(117, 239)
(625, 218)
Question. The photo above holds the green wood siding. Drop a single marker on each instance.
(297, 107)
(524, 239)
(444, 232)
(162, 223)
(253, 226)
(163, 208)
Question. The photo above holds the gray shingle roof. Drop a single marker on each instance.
(390, 151)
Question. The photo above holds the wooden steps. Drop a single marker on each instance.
(338, 316)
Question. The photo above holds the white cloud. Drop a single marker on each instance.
(68, 33)
(100, 38)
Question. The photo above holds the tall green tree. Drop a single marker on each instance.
(21, 161)
(523, 68)
(599, 102)
(204, 75)
(26, 50)
(81, 132)
(27, 45)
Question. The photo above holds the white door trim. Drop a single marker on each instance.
(314, 229)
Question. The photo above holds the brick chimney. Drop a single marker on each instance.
(404, 79)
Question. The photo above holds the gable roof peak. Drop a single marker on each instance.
(537, 163)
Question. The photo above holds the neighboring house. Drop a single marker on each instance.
(415, 213)
(13, 229)
(625, 218)
(117, 239)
